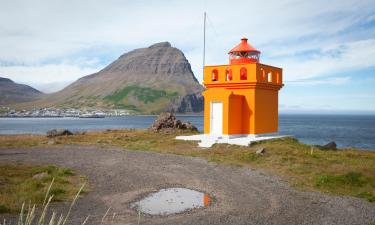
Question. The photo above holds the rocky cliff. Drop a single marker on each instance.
(146, 80)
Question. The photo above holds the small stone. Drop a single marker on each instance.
(330, 146)
(51, 142)
(261, 151)
(39, 176)
(58, 132)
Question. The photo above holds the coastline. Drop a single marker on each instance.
(347, 131)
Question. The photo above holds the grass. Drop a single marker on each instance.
(31, 217)
(28, 216)
(345, 183)
(344, 172)
(21, 182)
(14, 141)
(144, 94)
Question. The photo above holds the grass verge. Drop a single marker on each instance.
(343, 172)
(23, 183)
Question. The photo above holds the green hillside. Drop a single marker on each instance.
(140, 99)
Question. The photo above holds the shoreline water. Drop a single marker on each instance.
(356, 131)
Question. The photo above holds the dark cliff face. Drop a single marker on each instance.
(148, 80)
(189, 103)
(11, 92)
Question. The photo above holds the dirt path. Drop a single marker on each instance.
(241, 195)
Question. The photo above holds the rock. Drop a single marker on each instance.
(168, 121)
(260, 151)
(164, 120)
(330, 146)
(39, 176)
(189, 126)
(58, 132)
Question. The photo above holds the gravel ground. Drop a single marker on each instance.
(240, 195)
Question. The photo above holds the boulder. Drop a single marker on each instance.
(168, 121)
(58, 132)
(189, 126)
(165, 120)
(330, 146)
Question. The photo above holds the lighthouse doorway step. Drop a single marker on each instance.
(206, 141)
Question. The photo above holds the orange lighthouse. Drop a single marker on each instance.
(241, 98)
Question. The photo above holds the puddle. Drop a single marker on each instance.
(170, 201)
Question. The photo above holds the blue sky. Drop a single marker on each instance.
(326, 48)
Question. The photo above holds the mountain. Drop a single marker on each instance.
(146, 80)
(11, 92)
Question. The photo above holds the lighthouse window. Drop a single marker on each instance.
(254, 56)
(269, 77)
(243, 73)
(235, 55)
(244, 54)
(215, 75)
(228, 74)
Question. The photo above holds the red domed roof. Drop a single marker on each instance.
(244, 47)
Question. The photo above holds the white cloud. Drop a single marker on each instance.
(350, 56)
(35, 32)
(329, 81)
(49, 77)
(50, 87)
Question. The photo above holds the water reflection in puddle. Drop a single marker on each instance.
(171, 200)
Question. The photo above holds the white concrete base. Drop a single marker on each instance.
(207, 141)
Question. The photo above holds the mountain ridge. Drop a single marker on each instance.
(12, 92)
(146, 80)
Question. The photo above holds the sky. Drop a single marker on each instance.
(325, 47)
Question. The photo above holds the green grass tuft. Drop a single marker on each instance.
(353, 183)
(4, 209)
(57, 191)
(366, 195)
(350, 179)
(28, 183)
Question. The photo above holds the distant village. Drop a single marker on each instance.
(70, 112)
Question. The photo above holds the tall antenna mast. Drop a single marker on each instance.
(204, 40)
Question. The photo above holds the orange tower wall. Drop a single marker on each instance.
(250, 106)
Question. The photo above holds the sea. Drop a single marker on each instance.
(346, 130)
